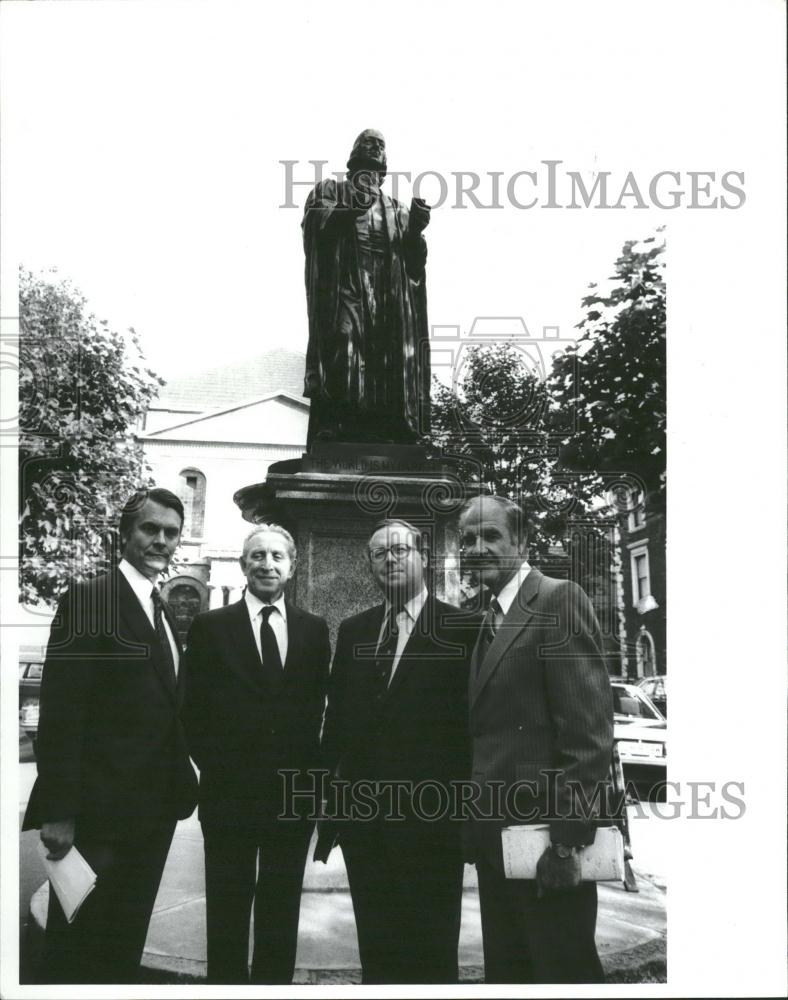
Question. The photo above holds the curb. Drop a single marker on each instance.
(645, 963)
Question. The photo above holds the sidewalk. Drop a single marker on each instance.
(631, 927)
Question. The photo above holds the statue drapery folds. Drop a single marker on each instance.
(367, 366)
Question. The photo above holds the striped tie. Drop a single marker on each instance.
(488, 629)
(161, 632)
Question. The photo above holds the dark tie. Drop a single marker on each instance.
(161, 632)
(269, 647)
(387, 650)
(488, 630)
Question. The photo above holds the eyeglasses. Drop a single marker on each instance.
(398, 551)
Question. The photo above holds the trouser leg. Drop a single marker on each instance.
(230, 860)
(532, 940)
(105, 941)
(277, 903)
(427, 900)
(373, 891)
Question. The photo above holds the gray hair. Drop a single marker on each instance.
(277, 529)
(516, 518)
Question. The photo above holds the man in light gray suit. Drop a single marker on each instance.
(541, 714)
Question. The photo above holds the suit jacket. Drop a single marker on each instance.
(416, 729)
(111, 747)
(240, 728)
(540, 701)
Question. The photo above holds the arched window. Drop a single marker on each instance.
(191, 491)
(646, 654)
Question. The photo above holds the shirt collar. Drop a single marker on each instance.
(255, 605)
(413, 606)
(509, 592)
(139, 583)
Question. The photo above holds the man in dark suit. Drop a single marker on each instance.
(397, 712)
(541, 713)
(113, 772)
(258, 672)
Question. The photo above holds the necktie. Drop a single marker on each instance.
(269, 647)
(488, 630)
(161, 632)
(387, 650)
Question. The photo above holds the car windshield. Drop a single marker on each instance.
(633, 704)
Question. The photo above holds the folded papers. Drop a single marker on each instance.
(72, 878)
(602, 861)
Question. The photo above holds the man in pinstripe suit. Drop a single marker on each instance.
(541, 715)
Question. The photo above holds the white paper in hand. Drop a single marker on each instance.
(72, 878)
(602, 861)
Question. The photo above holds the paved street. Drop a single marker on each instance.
(631, 927)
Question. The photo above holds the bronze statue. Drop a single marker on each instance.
(367, 363)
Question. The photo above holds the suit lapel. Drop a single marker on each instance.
(516, 619)
(295, 661)
(417, 645)
(179, 680)
(365, 641)
(137, 625)
(239, 635)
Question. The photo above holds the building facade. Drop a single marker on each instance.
(643, 566)
(206, 437)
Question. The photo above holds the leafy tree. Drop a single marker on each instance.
(611, 386)
(82, 388)
(492, 420)
(598, 420)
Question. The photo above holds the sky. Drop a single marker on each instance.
(146, 140)
(141, 149)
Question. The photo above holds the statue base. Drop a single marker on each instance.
(331, 499)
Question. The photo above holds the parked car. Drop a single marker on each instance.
(640, 730)
(27, 754)
(656, 689)
(31, 667)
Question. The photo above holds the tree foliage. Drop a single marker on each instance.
(492, 419)
(559, 444)
(611, 387)
(82, 388)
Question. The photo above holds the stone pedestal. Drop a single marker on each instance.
(331, 499)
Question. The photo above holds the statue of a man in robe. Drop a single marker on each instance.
(367, 363)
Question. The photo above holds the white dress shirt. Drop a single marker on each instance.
(277, 621)
(406, 622)
(509, 592)
(142, 587)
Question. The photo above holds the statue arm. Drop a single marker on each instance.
(414, 248)
(414, 245)
(328, 212)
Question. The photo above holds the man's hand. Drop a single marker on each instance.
(419, 215)
(554, 873)
(58, 838)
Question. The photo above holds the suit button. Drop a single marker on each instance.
(273, 732)
(519, 729)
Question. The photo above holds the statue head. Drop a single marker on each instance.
(368, 153)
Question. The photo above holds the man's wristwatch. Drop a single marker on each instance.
(564, 851)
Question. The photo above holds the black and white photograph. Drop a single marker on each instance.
(393, 410)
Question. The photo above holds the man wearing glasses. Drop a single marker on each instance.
(395, 736)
